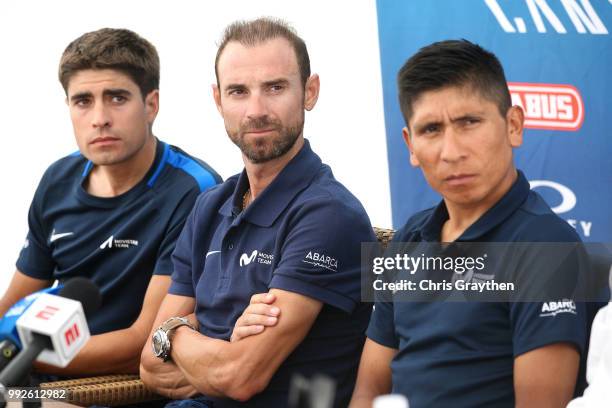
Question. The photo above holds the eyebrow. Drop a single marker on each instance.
(106, 92)
(116, 92)
(279, 81)
(473, 115)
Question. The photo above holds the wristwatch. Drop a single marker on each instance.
(163, 335)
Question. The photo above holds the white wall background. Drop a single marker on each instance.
(346, 128)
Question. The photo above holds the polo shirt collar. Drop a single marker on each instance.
(504, 208)
(292, 179)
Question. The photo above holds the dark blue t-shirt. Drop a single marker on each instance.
(117, 242)
(462, 354)
(302, 234)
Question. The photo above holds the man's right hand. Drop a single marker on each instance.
(256, 317)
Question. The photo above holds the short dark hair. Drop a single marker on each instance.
(452, 63)
(255, 32)
(111, 48)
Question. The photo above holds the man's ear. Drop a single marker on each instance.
(217, 97)
(515, 119)
(311, 92)
(406, 135)
(152, 105)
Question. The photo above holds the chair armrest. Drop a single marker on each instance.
(108, 390)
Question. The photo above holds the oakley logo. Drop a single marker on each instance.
(247, 259)
(568, 198)
(552, 107)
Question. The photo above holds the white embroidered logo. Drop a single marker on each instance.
(554, 308)
(247, 259)
(111, 242)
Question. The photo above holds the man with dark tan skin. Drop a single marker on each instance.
(460, 130)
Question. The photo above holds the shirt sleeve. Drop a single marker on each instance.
(382, 326)
(320, 254)
(35, 259)
(182, 277)
(163, 263)
(551, 267)
(537, 324)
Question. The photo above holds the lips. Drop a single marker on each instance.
(104, 140)
(459, 179)
(260, 131)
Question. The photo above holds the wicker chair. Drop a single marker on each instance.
(124, 389)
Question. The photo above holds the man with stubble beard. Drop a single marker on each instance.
(284, 225)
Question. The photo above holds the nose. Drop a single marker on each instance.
(100, 116)
(452, 148)
(256, 106)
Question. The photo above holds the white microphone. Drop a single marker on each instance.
(53, 329)
(59, 319)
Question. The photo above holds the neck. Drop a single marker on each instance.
(262, 174)
(462, 216)
(116, 179)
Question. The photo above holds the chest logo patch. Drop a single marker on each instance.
(54, 237)
(111, 242)
(247, 259)
(256, 257)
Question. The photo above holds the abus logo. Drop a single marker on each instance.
(247, 259)
(554, 107)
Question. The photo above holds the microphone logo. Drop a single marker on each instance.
(71, 334)
(46, 313)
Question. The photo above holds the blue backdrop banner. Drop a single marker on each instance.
(557, 55)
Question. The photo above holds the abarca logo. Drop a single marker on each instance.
(554, 308)
(111, 242)
(322, 260)
(257, 257)
(546, 106)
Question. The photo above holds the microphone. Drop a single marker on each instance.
(53, 329)
(9, 338)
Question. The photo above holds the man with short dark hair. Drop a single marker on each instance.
(460, 130)
(112, 211)
(283, 225)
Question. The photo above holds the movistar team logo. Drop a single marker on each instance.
(111, 242)
(247, 259)
(256, 257)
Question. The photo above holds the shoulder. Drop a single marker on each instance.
(331, 200)
(213, 198)
(189, 169)
(536, 222)
(411, 230)
(68, 167)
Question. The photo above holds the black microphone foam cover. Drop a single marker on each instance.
(84, 291)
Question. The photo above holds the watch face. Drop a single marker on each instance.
(158, 343)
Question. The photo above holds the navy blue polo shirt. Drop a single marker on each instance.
(462, 354)
(117, 242)
(302, 234)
